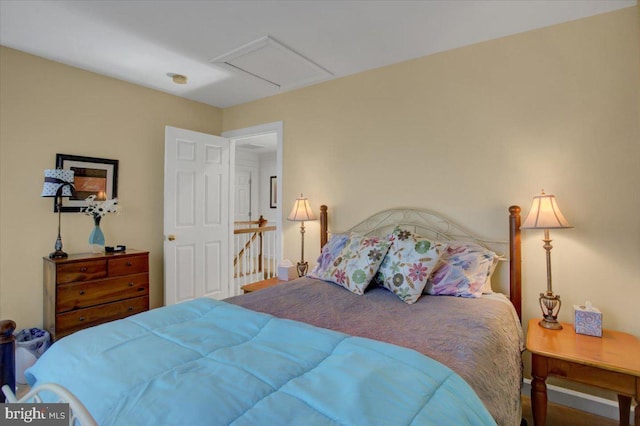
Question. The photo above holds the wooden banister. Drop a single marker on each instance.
(256, 230)
(257, 234)
(260, 222)
(7, 355)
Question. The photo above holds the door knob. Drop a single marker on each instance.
(171, 237)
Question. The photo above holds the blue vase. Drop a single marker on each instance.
(96, 238)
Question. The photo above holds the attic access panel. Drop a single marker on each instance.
(271, 61)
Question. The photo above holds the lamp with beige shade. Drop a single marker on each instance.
(545, 214)
(302, 212)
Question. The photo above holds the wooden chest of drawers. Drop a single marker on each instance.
(84, 290)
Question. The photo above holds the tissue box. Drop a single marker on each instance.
(587, 321)
(287, 271)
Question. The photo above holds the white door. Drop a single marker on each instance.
(243, 194)
(197, 216)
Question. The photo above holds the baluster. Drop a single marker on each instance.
(260, 253)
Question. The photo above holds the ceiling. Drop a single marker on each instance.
(238, 51)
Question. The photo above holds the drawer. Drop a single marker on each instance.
(128, 265)
(83, 295)
(81, 271)
(69, 322)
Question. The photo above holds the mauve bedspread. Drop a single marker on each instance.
(480, 339)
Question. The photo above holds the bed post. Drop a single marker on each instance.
(7, 356)
(324, 232)
(515, 263)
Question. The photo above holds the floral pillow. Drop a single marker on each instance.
(329, 253)
(465, 269)
(487, 287)
(410, 261)
(357, 263)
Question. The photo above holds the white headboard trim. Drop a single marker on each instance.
(426, 224)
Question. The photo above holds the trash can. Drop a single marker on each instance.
(30, 345)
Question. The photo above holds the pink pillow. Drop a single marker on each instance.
(463, 271)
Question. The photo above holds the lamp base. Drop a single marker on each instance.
(302, 268)
(550, 304)
(58, 254)
(550, 324)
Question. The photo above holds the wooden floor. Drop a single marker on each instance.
(559, 415)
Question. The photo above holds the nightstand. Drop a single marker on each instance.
(611, 362)
(260, 285)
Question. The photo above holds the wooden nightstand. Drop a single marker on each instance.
(611, 362)
(260, 285)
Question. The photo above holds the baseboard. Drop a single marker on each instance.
(580, 401)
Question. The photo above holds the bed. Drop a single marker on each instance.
(479, 338)
(308, 352)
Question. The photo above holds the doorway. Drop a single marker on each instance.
(258, 178)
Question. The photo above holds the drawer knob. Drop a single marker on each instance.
(130, 283)
(81, 319)
(83, 269)
(81, 292)
(140, 288)
(129, 263)
(130, 308)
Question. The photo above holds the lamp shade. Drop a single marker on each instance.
(301, 210)
(545, 214)
(55, 180)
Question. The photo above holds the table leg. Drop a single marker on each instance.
(539, 390)
(636, 417)
(624, 407)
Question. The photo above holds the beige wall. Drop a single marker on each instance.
(471, 131)
(48, 108)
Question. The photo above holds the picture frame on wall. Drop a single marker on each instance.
(273, 193)
(92, 176)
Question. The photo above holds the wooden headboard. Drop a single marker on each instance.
(432, 225)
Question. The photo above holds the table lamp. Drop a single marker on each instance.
(58, 183)
(546, 215)
(302, 211)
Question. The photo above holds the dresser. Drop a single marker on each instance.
(87, 289)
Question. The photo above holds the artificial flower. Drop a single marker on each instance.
(98, 210)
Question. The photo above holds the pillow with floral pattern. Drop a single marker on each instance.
(330, 252)
(357, 263)
(464, 270)
(410, 261)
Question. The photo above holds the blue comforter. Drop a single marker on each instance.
(207, 362)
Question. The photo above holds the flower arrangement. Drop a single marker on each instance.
(98, 210)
